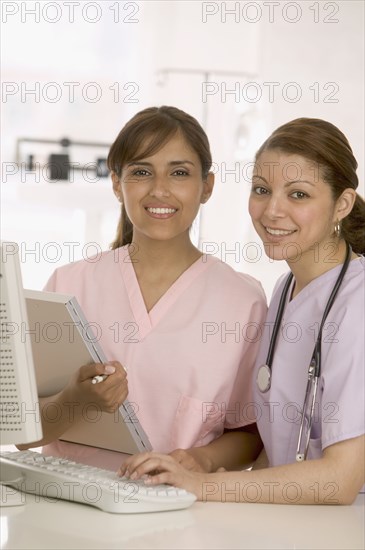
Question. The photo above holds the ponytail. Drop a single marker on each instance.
(124, 230)
(353, 226)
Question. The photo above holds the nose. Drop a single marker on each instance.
(160, 187)
(275, 208)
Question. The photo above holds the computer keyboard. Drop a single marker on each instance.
(60, 478)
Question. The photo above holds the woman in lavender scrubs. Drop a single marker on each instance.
(305, 208)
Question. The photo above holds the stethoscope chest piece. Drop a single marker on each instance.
(263, 379)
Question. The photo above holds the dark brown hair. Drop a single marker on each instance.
(323, 143)
(144, 135)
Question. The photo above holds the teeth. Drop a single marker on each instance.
(278, 231)
(161, 210)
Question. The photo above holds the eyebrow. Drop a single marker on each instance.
(172, 163)
(288, 183)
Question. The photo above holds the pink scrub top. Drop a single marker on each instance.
(189, 359)
(339, 412)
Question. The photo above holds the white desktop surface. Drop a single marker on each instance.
(64, 525)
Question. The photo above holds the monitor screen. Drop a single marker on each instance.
(20, 420)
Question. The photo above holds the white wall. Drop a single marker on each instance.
(260, 40)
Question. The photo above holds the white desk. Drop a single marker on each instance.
(40, 524)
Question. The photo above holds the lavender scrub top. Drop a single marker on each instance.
(339, 412)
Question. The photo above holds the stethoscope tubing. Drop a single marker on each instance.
(316, 356)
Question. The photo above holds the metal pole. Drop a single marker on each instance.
(206, 75)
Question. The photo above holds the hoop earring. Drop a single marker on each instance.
(337, 230)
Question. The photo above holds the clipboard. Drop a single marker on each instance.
(62, 341)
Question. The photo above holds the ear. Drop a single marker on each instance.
(117, 188)
(208, 188)
(345, 203)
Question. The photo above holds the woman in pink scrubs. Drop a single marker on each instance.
(184, 325)
(305, 208)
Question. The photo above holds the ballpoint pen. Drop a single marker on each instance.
(99, 378)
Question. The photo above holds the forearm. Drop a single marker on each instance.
(336, 478)
(233, 450)
(290, 484)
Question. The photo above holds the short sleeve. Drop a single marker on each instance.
(343, 378)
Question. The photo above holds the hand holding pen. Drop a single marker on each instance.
(109, 369)
(108, 395)
(107, 385)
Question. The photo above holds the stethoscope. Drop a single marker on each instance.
(314, 371)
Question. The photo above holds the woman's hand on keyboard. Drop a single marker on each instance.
(189, 460)
(108, 394)
(159, 468)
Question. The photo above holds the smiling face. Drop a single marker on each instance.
(292, 207)
(162, 193)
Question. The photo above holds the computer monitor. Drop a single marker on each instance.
(20, 420)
